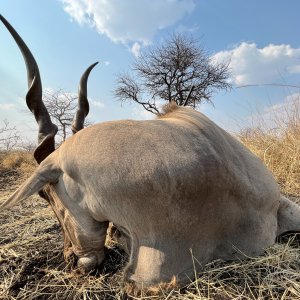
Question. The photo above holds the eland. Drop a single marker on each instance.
(176, 188)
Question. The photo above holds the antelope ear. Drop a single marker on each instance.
(47, 129)
(47, 172)
(83, 103)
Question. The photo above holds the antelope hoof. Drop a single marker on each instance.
(88, 263)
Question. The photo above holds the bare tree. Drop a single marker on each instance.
(179, 70)
(62, 107)
(9, 136)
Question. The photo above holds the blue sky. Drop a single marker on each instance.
(260, 37)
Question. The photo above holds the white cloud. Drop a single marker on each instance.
(130, 20)
(107, 63)
(142, 114)
(289, 105)
(7, 106)
(66, 96)
(135, 49)
(96, 103)
(293, 98)
(252, 65)
(294, 69)
(278, 115)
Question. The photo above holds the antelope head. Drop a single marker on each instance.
(46, 129)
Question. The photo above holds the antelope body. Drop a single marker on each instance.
(178, 189)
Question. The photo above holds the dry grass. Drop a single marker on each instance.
(22, 161)
(275, 138)
(32, 264)
(15, 166)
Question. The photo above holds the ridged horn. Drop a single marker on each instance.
(47, 129)
(83, 103)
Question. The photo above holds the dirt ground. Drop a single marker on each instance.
(32, 264)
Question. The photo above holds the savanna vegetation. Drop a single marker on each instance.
(31, 243)
(179, 71)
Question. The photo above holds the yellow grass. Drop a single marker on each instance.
(276, 140)
(20, 161)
